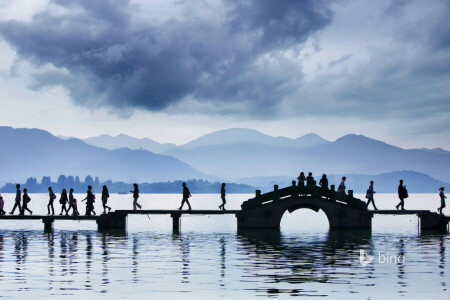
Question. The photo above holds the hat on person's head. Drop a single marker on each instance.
(442, 188)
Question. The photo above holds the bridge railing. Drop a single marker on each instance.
(303, 191)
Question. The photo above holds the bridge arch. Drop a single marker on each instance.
(314, 210)
(270, 215)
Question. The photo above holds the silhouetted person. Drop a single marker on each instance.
(441, 194)
(51, 198)
(90, 199)
(222, 195)
(135, 192)
(341, 187)
(186, 195)
(2, 204)
(105, 196)
(324, 181)
(17, 200)
(73, 204)
(25, 200)
(301, 179)
(63, 201)
(401, 195)
(369, 196)
(310, 180)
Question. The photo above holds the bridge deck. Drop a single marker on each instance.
(57, 217)
(398, 212)
(175, 211)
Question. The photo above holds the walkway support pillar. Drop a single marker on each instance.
(429, 220)
(48, 223)
(176, 221)
(112, 220)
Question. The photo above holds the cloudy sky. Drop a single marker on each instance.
(174, 70)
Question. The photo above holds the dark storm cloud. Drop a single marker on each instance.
(105, 53)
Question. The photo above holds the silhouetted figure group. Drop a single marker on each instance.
(402, 191)
(68, 202)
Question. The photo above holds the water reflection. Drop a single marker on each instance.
(260, 262)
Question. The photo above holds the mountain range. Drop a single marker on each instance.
(226, 155)
(34, 152)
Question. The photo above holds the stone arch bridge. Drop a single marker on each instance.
(342, 210)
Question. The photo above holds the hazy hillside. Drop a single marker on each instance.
(348, 154)
(126, 141)
(238, 135)
(33, 152)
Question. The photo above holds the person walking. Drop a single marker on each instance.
(52, 198)
(310, 180)
(135, 192)
(341, 187)
(324, 181)
(369, 196)
(17, 200)
(25, 200)
(402, 194)
(90, 199)
(73, 204)
(63, 201)
(301, 179)
(222, 195)
(2, 204)
(105, 196)
(186, 196)
(441, 194)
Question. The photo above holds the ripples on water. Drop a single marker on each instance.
(210, 258)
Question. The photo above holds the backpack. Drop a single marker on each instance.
(406, 193)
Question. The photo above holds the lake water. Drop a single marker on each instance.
(210, 258)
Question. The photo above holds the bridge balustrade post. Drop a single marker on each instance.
(275, 187)
(350, 193)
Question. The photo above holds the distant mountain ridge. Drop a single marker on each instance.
(349, 154)
(126, 141)
(37, 152)
(225, 155)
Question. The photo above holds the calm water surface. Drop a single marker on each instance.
(211, 258)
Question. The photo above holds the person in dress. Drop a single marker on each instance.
(222, 195)
(25, 200)
(105, 196)
(135, 192)
(441, 194)
(369, 196)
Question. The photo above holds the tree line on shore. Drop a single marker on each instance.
(197, 186)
